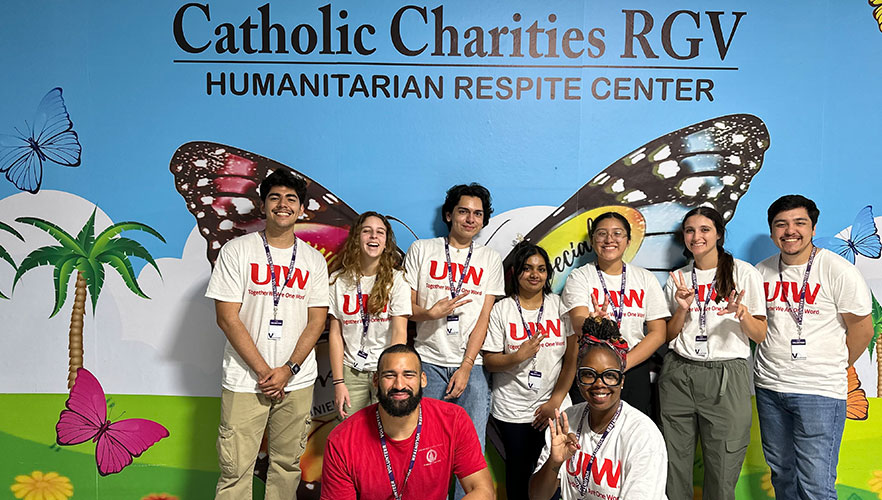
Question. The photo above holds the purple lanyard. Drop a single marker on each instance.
(416, 444)
(517, 302)
(269, 259)
(798, 317)
(583, 484)
(465, 268)
(365, 316)
(702, 309)
(618, 312)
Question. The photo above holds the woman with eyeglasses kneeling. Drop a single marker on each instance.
(604, 447)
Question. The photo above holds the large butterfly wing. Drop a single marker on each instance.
(865, 235)
(124, 440)
(20, 161)
(836, 244)
(857, 406)
(86, 413)
(710, 163)
(53, 131)
(220, 186)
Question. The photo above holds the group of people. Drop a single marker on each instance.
(502, 347)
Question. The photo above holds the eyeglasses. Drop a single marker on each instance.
(588, 376)
(616, 234)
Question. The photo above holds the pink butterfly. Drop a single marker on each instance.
(86, 418)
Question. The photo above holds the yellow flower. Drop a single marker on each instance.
(39, 486)
(766, 484)
(876, 483)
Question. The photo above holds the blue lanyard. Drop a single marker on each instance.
(799, 316)
(702, 309)
(269, 259)
(416, 444)
(618, 312)
(583, 484)
(465, 268)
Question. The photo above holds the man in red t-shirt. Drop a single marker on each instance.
(405, 446)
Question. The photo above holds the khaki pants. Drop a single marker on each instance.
(244, 416)
(361, 388)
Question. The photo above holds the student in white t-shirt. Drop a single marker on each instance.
(603, 448)
(820, 322)
(531, 351)
(630, 295)
(369, 307)
(717, 307)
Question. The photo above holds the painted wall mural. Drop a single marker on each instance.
(172, 112)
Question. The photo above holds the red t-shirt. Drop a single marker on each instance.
(354, 466)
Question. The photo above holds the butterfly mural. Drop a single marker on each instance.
(220, 186)
(877, 11)
(49, 138)
(862, 238)
(116, 443)
(706, 164)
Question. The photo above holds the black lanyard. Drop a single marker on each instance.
(618, 312)
(797, 316)
(465, 268)
(416, 444)
(269, 259)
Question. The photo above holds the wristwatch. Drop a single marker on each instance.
(295, 368)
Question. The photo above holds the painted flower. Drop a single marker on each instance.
(766, 484)
(39, 486)
(875, 483)
(159, 496)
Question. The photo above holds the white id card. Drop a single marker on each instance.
(275, 330)
(534, 380)
(701, 346)
(360, 360)
(453, 325)
(797, 350)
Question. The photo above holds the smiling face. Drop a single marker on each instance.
(466, 219)
(610, 240)
(700, 236)
(400, 383)
(533, 276)
(372, 237)
(792, 233)
(282, 208)
(600, 396)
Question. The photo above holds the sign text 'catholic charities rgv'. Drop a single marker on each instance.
(415, 53)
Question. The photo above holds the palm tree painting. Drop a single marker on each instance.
(4, 254)
(87, 254)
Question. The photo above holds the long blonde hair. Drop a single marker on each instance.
(390, 261)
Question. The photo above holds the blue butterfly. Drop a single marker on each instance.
(863, 239)
(50, 137)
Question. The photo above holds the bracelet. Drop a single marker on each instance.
(337, 381)
(470, 360)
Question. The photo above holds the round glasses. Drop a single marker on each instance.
(588, 376)
(616, 234)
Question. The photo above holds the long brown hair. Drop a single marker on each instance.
(725, 282)
(390, 260)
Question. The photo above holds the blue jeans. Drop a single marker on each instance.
(475, 400)
(801, 434)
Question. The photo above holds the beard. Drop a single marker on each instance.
(403, 407)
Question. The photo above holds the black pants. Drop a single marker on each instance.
(523, 445)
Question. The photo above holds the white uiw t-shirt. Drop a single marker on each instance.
(242, 275)
(426, 273)
(834, 287)
(513, 400)
(725, 340)
(643, 301)
(631, 464)
(345, 307)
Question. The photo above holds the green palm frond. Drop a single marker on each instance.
(8, 258)
(56, 232)
(11, 230)
(86, 236)
(93, 273)
(61, 277)
(105, 237)
(124, 267)
(125, 247)
(877, 326)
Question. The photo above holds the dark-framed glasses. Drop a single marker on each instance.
(588, 376)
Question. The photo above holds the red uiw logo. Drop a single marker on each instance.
(351, 305)
(516, 330)
(789, 292)
(632, 297)
(438, 271)
(281, 271)
(597, 472)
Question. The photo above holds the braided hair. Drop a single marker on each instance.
(599, 332)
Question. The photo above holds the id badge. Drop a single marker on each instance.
(275, 330)
(701, 346)
(360, 360)
(797, 350)
(534, 380)
(453, 325)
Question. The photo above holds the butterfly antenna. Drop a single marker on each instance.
(496, 231)
(396, 219)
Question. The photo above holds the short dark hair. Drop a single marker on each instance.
(399, 349)
(456, 192)
(286, 178)
(609, 215)
(791, 201)
(520, 253)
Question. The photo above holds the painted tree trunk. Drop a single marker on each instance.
(75, 342)
(879, 365)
